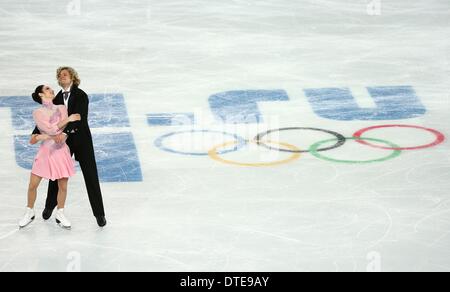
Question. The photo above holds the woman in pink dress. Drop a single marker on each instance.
(53, 161)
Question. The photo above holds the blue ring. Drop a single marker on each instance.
(159, 142)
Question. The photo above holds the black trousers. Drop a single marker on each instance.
(90, 173)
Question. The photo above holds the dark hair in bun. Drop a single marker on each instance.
(36, 96)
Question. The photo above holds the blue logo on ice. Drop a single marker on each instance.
(241, 107)
(116, 151)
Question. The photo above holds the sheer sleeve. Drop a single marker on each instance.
(64, 113)
(43, 123)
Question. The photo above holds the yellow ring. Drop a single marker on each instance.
(296, 155)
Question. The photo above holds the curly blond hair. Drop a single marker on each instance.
(73, 73)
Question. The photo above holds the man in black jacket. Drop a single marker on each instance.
(79, 140)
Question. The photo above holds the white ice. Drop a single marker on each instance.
(196, 214)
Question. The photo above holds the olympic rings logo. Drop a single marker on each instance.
(317, 149)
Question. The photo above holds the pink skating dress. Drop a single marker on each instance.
(53, 160)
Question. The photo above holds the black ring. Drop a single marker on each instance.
(341, 139)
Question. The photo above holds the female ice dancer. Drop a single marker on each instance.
(53, 161)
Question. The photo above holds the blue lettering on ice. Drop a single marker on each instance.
(108, 111)
(117, 157)
(393, 103)
(116, 154)
(241, 107)
(171, 119)
(25, 152)
(22, 108)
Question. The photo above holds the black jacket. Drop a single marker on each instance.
(79, 135)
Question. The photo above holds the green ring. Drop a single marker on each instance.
(313, 149)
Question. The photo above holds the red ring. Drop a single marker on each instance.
(439, 137)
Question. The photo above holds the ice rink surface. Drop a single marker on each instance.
(157, 70)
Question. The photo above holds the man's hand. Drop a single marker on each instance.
(61, 138)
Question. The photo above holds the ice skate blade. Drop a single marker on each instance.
(62, 226)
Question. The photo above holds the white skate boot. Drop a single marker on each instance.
(27, 218)
(62, 220)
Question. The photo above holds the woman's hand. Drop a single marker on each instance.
(43, 137)
(34, 139)
(74, 118)
(38, 138)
